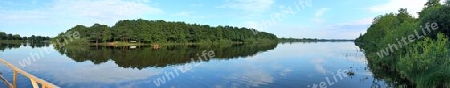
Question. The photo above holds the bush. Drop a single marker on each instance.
(427, 62)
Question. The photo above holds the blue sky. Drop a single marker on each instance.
(344, 19)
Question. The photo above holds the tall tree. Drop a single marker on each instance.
(432, 3)
(100, 33)
(3, 36)
(16, 37)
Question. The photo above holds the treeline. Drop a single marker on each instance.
(159, 31)
(409, 47)
(33, 38)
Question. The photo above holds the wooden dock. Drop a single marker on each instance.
(34, 80)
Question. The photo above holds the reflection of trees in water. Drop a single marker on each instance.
(384, 74)
(145, 56)
(4, 45)
(388, 74)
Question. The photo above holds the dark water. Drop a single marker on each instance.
(289, 65)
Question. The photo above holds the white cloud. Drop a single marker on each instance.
(71, 12)
(319, 15)
(348, 30)
(107, 9)
(413, 6)
(183, 13)
(253, 24)
(189, 14)
(320, 12)
(364, 21)
(253, 6)
(345, 30)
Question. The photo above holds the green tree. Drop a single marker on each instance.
(159, 31)
(17, 37)
(424, 62)
(432, 3)
(83, 30)
(3, 36)
(100, 33)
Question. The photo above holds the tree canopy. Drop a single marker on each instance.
(33, 38)
(421, 63)
(159, 31)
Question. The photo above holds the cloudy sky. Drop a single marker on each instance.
(285, 18)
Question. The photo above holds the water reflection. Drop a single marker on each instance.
(390, 75)
(144, 56)
(9, 46)
(289, 65)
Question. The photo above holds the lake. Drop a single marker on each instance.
(284, 65)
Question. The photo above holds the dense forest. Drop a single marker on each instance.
(404, 45)
(8, 36)
(159, 31)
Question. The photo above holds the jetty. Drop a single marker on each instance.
(34, 80)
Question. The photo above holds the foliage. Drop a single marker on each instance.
(423, 63)
(439, 14)
(426, 62)
(4, 36)
(159, 31)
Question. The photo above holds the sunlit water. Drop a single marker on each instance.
(295, 65)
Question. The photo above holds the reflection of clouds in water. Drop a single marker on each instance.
(360, 60)
(252, 78)
(321, 49)
(356, 56)
(218, 86)
(366, 73)
(88, 73)
(318, 64)
(252, 73)
(284, 72)
(107, 75)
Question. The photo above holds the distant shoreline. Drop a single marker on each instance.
(312, 40)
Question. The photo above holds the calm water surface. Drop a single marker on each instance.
(289, 65)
